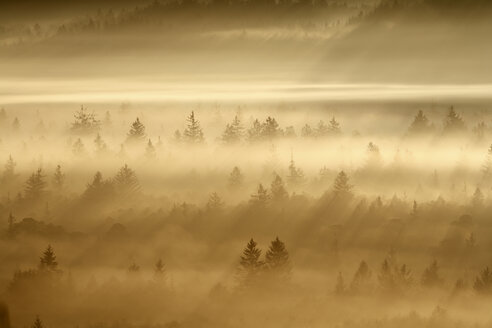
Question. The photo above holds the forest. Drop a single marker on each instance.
(245, 163)
(131, 218)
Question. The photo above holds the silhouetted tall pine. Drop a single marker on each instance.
(35, 186)
(137, 131)
(193, 133)
(48, 260)
(277, 190)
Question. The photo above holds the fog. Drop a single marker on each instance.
(245, 164)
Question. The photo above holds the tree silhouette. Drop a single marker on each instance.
(84, 122)
(48, 260)
(296, 176)
(277, 190)
(193, 133)
(235, 178)
(134, 268)
(260, 198)
(334, 128)
(78, 147)
(101, 147)
(341, 186)
(250, 263)
(150, 150)
(233, 132)
(430, 277)
(277, 257)
(453, 122)
(420, 124)
(35, 185)
(137, 131)
(361, 277)
(214, 202)
(307, 131)
(373, 156)
(126, 182)
(58, 181)
(9, 174)
(98, 189)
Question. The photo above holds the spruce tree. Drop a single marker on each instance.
(137, 131)
(78, 147)
(430, 277)
(420, 124)
(277, 257)
(260, 198)
(193, 133)
(48, 260)
(9, 174)
(250, 263)
(101, 147)
(84, 122)
(58, 178)
(214, 203)
(35, 185)
(341, 185)
(235, 178)
(233, 132)
(126, 182)
(277, 190)
(296, 176)
(454, 122)
(150, 152)
(334, 127)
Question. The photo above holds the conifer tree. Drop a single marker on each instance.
(126, 182)
(277, 257)
(98, 189)
(307, 131)
(454, 122)
(9, 174)
(420, 124)
(341, 186)
(255, 132)
(84, 122)
(277, 190)
(78, 147)
(250, 263)
(235, 178)
(260, 198)
(430, 277)
(101, 147)
(322, 130)
(48, 260)
(58, 178)
(214, 202)
(373, 156)
(334, 127)
(35, 185)
(361, 277)
(193, 133)
(150, 150)
(296, 176)
(137, 131)
(233, 132)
